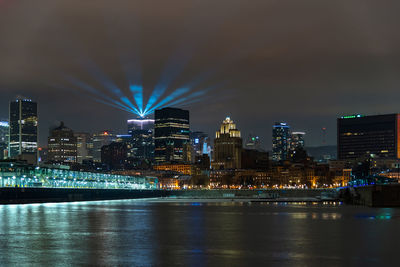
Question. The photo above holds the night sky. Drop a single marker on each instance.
(259, 61)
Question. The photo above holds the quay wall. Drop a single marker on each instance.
(258, 193)
(387, 195)
(16, 195)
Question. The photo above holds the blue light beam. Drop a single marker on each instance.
(120, 107)
(137, 92)
(105, 81)
(177, 93)
(90, 89)
(197, 94)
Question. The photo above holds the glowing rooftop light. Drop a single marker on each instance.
(4, 124)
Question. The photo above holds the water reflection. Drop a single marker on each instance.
(193, 233)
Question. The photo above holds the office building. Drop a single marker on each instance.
(23, 134)
(84, 142)
(141, 140)
(140, 124)
(142, 145)
(62, 145)
(101, 139)
(171, 135)
(114, 155)
(4, 129)
(361, 137)
(227, 146)
(280, 141)
(296, 142)
(200, 144)
(255, 159)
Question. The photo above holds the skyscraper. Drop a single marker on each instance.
(200, 144)
(171, 135)
(84, 142)
(23, 129)
(4, 130)
(62, 145)
(296, 142)
(114, 155)
(101, 139)
(280, 141)
(227, 146)
(141, 143)
(140, 124)
(361, 136)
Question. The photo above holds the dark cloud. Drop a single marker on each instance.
(305, 62)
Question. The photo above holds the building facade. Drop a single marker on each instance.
(171, 135)
(4, 131)
(227, 146)
(23, 134)
(200, 144)
(140, 124)
(101, 139)
(114, 155)
(296, 142)
(280, 141)
(62, 146)
(360, 137)
(84, 142)
(141, 141)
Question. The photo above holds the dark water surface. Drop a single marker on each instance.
(160, 233)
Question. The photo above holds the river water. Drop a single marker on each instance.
(185, 233)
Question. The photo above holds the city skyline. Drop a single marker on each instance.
(266, 144)
(122, 129)
(199, 132)
(234, 61)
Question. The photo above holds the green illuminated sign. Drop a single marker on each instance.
(352, 116)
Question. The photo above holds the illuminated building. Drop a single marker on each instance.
(200, 144)
(62, 145)
(296, 142)
(171, 135)
(140, 124)
(186, 169)
(101, 139)
(43, 152)
(114, 155)
(4, 129)
(84, 143)
(361, 136)
(253, 142)
(227, 146)
(23, 138)
(280, 141)
(141, 141)
(140, 147)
